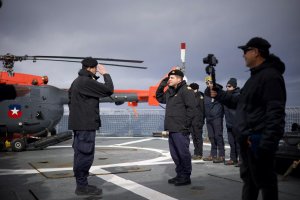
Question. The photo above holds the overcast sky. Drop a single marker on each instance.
(151, 31)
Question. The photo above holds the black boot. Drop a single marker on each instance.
(182, 181)
(173, 180)
(88, 190)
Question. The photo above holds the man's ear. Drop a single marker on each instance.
(88, 69)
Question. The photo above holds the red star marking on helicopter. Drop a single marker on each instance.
(14, 111)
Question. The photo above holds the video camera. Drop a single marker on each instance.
(212, 61)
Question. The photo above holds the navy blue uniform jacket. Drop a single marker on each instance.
(213, 108)
(180, 107)
(84, 97)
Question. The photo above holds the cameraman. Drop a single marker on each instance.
(214, 113)
(260, 113)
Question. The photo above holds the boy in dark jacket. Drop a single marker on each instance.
(180, 111)
(84, 119)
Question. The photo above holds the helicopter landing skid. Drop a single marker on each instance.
(48, 141)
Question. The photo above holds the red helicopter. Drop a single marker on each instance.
(28, 120)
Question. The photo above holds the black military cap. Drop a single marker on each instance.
(176, 72)
(194, 86)
(256, 42)
(89, 62)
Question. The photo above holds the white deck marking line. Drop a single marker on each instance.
(165, 155)
(153, 138)
(117, 137)
(133, 142)
(162, 159)
(134, 187)
(4, 172)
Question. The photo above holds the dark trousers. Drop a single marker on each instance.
(258, 173)
(234, 145)
(215, 135)
(197, 132)
(84, 150)
(180, 153)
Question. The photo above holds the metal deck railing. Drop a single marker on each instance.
(143, 122)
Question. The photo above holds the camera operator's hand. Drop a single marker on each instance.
(215, 90)
(213, 93)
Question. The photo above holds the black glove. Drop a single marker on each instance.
(218, 88)
(164, 82)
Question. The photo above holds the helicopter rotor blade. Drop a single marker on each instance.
(9, 59)
(81, 58)
(109, 64)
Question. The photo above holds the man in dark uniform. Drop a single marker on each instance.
(84, 119)
(180, 111)
(260, 114)
(231, 86)
(198, 122)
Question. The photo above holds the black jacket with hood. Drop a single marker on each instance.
(84, 97)
(260, 107)
(180, 106)
(200, 115)
(230, 112)
(213, 108)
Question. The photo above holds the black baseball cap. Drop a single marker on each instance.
(256, 42)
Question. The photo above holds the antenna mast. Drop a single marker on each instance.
(182, 55)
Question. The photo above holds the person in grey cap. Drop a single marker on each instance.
(229, 112)
(180, 111)
(84, 119)
(260, 118)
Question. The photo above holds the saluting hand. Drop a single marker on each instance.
(101, 69)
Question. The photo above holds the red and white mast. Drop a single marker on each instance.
(182, 55)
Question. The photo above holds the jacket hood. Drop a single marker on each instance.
(84, 72)
(272, 61)
(276, 63)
